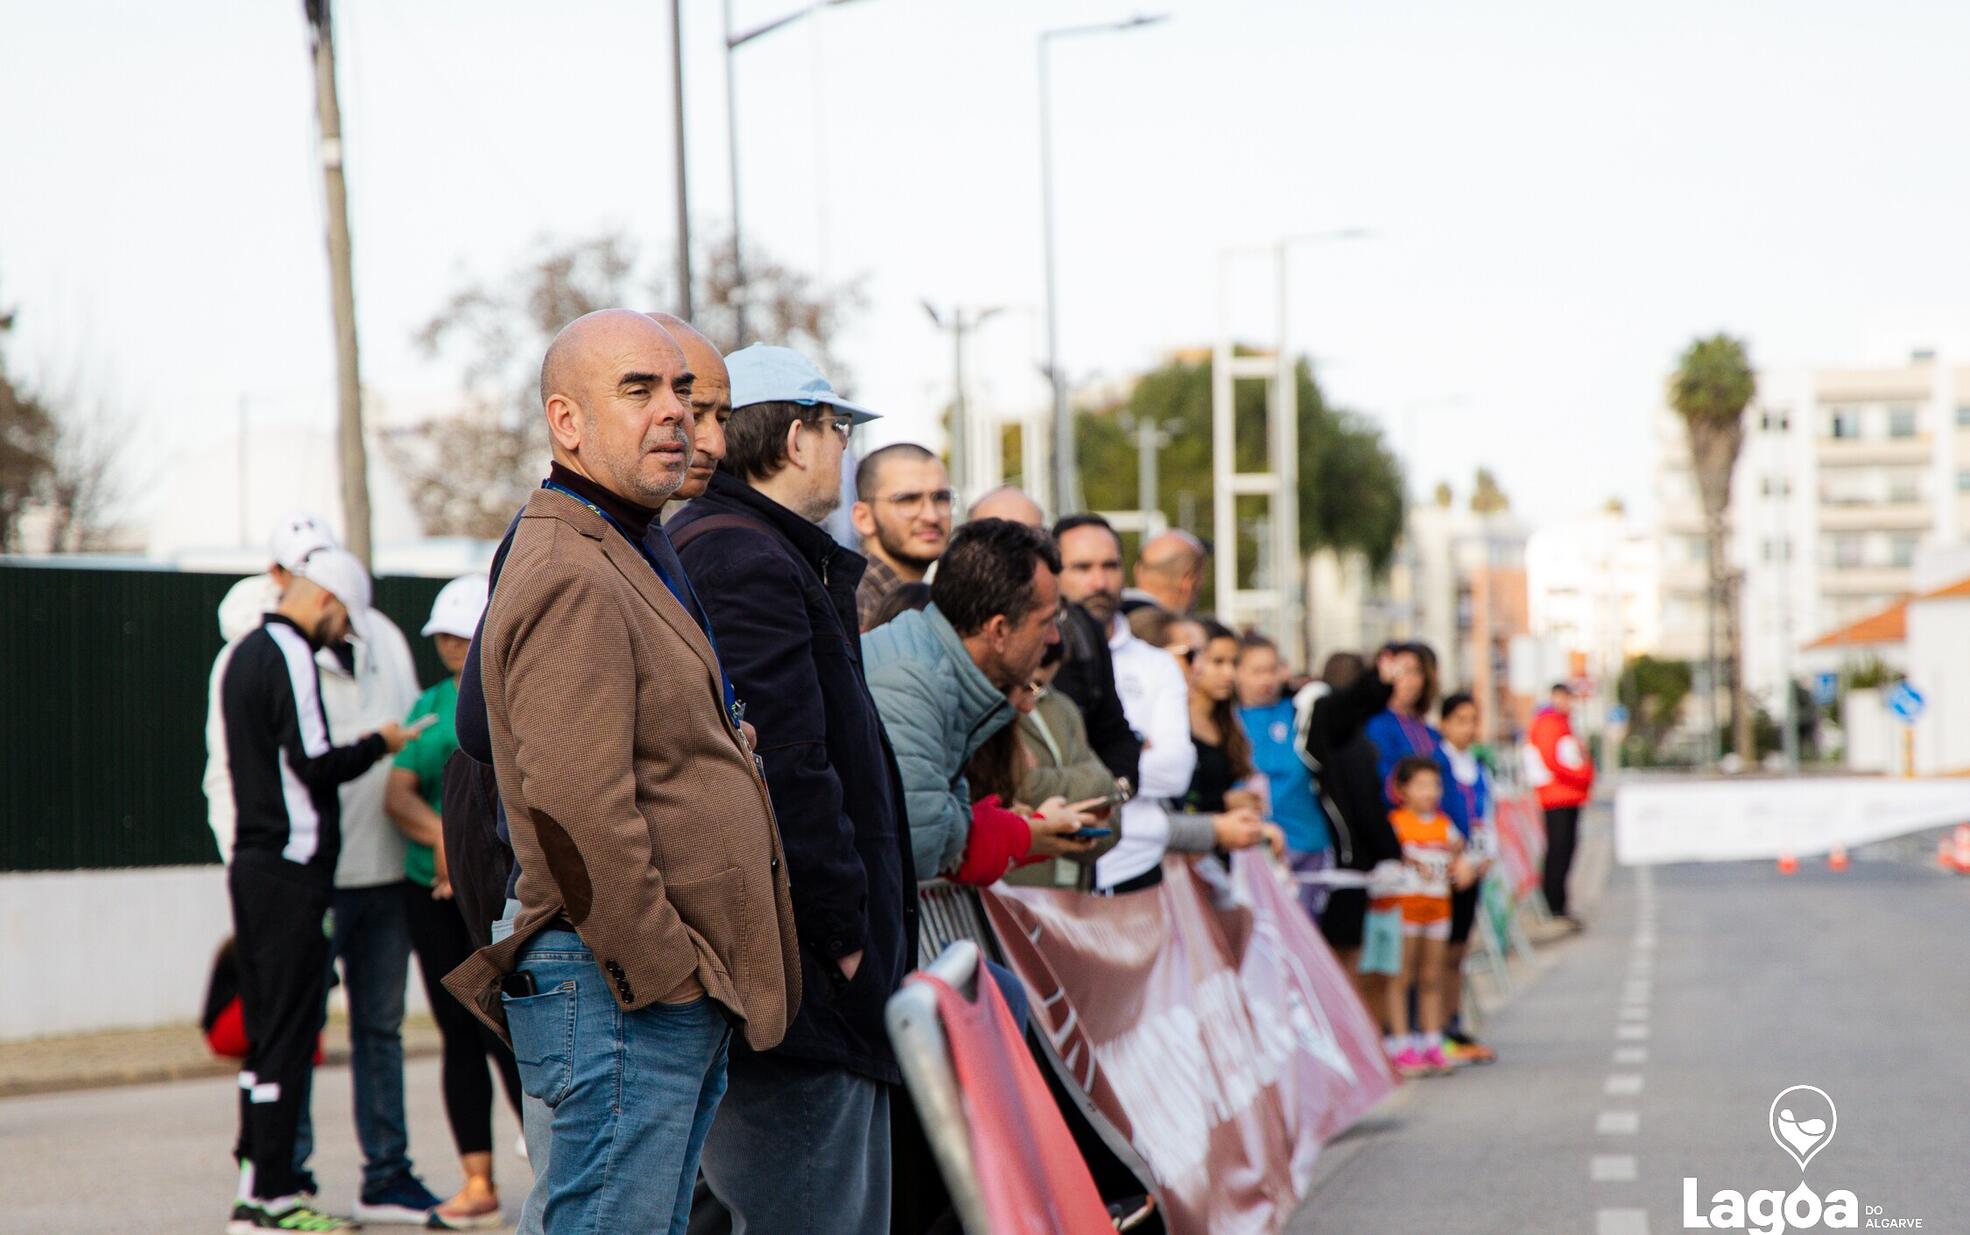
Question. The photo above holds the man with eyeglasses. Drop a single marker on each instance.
(801, 1141)
(902, 512)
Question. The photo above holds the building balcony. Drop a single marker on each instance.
(1852, 580)
(1873, 451)
(1875, 516)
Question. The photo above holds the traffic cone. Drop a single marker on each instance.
(1959, 858)
(1837, 859)
(1787, 864)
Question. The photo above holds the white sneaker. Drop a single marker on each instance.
(520, 1147)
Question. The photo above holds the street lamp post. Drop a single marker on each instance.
(733, 42)
(1066, 471)
(960, 428)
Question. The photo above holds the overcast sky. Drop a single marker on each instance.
(1561, 193)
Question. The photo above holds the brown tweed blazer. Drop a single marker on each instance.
(635, 808)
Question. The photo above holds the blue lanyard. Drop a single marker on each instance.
(686, 596)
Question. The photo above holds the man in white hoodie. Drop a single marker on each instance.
(366, 682)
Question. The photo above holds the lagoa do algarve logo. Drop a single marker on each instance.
(1803, 1121)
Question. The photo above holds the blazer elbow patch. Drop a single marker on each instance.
(564, 863)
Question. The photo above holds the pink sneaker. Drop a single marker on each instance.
(1436, 1062)
(1410, 1063)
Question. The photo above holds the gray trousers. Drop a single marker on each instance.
(800, 1148)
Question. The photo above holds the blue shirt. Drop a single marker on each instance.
(1295, 806)
(1397, 737)
(1467, 805)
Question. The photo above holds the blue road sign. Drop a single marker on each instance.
(1906, 702)
(1617, 715)
(1826, 689)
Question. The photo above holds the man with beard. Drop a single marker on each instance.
(284, 778)
(902, 512)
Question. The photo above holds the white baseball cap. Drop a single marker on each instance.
(340, 573)
(458, 607)
(298, 535)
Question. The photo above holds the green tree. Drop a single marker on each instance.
(1710, 389)
(1487, 497)
(1653, 691)
(1350, 484)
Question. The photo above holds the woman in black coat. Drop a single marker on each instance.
(1345, 769)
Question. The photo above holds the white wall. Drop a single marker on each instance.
(89, 950)
(1873, 735)
(1938, 632)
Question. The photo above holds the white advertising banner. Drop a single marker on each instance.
(1728, 820)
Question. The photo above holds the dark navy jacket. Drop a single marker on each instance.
(781, 594)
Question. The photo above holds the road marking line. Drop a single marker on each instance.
(1644, 942)
(1635, 992)
(1621, 1222)
(1612, 1168)
(1631, 1056)
(1634, 1012)
(1618, 1123)
(1632, 1033)
(1623, 1084)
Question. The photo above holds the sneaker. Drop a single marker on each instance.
(1468, 1052)
(407, 1202)
(249, 1217)
(1437, 1063)
(520, 1148)
(1410, 1063)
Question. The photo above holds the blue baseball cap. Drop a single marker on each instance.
(763, 374)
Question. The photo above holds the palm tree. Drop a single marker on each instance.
(1712, 384)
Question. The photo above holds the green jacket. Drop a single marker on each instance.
(1056, 739)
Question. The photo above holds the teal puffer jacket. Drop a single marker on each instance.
(938, 708)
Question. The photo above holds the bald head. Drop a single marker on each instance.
(617, 394)
(1170, 567)
(1009, 502)
(711, 402)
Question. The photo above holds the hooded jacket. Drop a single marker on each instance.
(1557, 765)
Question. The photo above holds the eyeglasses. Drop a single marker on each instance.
(842, 428)
(941, 499)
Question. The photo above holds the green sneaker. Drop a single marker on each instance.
(300, 1216)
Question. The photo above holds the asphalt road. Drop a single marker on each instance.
(1645, 1051)
(1653, 1047)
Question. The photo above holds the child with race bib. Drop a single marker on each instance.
(1430, 847)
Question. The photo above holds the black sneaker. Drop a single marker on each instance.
(407, 1202)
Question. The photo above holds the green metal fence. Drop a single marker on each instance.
(103, 674)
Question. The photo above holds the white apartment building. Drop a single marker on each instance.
(1844, 477)
(1595, 591)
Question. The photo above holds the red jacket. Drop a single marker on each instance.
(1564, 775)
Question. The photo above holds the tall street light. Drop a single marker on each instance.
(959, 324)
(733, 42)
(1066, 470)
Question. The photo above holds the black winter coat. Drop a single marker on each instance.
(1349, 778)
(1087, 676)
(780, 594)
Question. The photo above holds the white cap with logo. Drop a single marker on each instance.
(457, 609)
(298, 535)
(338, 572)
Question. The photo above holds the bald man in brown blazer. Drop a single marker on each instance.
(654, 915)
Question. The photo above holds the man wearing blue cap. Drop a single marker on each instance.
(801, 1142)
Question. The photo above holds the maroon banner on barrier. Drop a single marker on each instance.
(1521, 828)
(1208, 1022)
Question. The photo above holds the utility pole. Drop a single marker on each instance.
(677, 141)
(353, 458)
(960, 427)
(1150, 438)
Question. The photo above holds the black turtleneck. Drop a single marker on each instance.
(635, 520)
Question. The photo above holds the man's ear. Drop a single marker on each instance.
(564, 422)
(796, 448)
(863, 516)
(998, 631)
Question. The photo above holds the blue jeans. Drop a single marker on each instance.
(536, 1121)
(800, 1148)
(632, 1093)
(372, 939)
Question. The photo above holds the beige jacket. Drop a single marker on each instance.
(635, 808)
